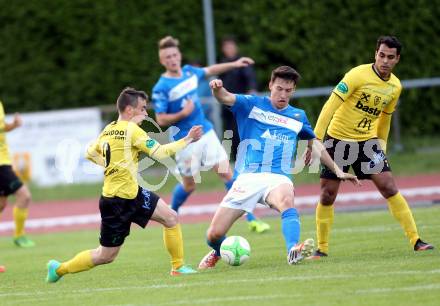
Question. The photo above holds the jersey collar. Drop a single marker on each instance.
(374, 69)
(276, 109)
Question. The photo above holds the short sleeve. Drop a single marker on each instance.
(350, 82)
(160, 100)
(199, 72)
(243, 104)
(141, 141)
(307, 130)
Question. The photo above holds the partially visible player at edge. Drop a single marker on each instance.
(359, 112)
(10, 184)
(177, 104)
(122, 201)
(269, 128)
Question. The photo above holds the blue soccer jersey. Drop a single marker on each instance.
(170, 95)
(268, 136)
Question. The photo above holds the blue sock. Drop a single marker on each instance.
(229, 183)
(215, 245)
(291, 227)
(250, 217)
(179, 196)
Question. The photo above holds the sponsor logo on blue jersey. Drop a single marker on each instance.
(268, 136)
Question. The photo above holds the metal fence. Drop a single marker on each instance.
(216, 118)
(407, 84)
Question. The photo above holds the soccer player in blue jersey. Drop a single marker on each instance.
(177, 104)
(269, 128)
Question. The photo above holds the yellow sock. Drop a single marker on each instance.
(81, 262)
(400, 210)
(324, 221)
(172, 238)
(20, 216)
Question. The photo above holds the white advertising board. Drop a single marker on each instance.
(55, 142)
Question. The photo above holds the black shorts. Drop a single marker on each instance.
(117, 214)
(9, 182)
(365, 157)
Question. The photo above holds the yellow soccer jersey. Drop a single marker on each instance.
(117, 149)
(5, 159)
(365, 96)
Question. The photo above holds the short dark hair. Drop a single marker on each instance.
(390, 42)
(168, 42)
(229, 38)
(129, 96)
(285, 73)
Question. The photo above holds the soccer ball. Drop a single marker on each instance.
(235, 250)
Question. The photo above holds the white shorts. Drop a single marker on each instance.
(252, 188)
(201, 155)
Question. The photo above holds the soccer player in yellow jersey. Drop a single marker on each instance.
(123, 202)
(10, 184)
(354, 125)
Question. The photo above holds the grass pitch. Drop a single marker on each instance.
(370, 263)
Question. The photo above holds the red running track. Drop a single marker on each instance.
(419, 190)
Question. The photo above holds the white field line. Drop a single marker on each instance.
(53, 222)
(216, 300)
(238, 298)
(195, 210)
(243, 281)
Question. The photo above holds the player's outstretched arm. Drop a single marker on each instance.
(217, 69)
(221, 94)
(318, 148)
(167, 150)
(17, 122)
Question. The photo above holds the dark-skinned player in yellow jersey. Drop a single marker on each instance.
(354, 125)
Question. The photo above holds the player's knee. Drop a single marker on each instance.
(214, 233)
(27, 199)
(109, 257)
(107, 260)
(328, 196)
(286, 202)
(171, 219)
(388, 190)
(189, 186)
(103, 258)
(23, 199)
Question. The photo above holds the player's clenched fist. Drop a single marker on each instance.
(194, 134)
(243, 62)
(216, 84)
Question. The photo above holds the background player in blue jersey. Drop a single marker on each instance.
(177, 104)
(269, 128)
